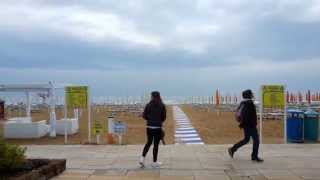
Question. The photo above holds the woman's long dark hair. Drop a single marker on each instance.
(155, 97)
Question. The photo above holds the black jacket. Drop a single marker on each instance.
(248, 114)
(155, 114)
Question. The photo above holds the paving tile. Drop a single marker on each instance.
(186, 165)
(71, 176)
(208, 172)
(210, 177)
(153, 173)
(94, 177)
(292, 161)
(279, 174)
(78, 171)
(110, 172)
(176, 178)
(258, 177)
(239, 178)
(165, 172)
(307, 173)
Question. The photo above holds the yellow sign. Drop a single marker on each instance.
(97, 127)
(76, 96)
(273, 96)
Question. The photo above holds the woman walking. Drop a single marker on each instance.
(248, 123)
(154, 114)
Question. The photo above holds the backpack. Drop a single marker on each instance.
(239, 114)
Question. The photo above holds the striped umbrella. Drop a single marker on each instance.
(300, 97)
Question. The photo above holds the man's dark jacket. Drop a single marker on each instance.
(155, 113)
(248, 114)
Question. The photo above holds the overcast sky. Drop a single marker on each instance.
(185, 47)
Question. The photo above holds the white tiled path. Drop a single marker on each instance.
(184, 133)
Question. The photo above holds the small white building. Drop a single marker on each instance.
(48, 88)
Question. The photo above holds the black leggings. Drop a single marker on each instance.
(154, 135)
(249, 132)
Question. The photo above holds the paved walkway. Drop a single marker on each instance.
(184, 162)
(184, 133)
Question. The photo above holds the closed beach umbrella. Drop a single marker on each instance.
(217, 98)
(313, 97)
(291, 98)
(309, 97)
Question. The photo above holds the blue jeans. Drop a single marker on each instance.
(249, 132)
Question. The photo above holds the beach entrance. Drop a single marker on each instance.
(192, 120)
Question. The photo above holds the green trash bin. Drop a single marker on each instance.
(311, 126)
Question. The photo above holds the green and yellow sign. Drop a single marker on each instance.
(77, 96)
(97, 127)
(273, 96)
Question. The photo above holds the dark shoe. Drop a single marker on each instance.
(231, 153)
(257, 159)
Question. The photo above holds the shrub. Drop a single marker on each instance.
(11, 157)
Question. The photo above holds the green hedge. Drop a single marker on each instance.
(11, 157)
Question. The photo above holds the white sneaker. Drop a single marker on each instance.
(141, 161)
(156, 164)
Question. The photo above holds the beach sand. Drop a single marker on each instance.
(213, 129)
(135, 134)
(223, 128)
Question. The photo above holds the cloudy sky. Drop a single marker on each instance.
(183, 47)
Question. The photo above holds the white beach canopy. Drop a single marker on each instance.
(27, 88)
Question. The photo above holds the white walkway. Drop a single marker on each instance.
(185, 133)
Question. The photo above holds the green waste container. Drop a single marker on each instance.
(311, 126)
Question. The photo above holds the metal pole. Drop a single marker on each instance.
(28, 109)
(261, 112)
(65, 119)
(120, 139)
(52, 112)
(89, 116)
(285, 118)
(261, 117)
(98, 138)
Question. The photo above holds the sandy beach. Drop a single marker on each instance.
(135, 133)
(223, 128)
(212, 128)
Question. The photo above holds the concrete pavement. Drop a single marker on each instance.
(185, 162)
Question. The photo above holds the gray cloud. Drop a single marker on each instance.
(186, 36)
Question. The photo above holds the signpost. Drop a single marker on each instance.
(273, 96)
(97, 129)
(78, 97)
(120, 129)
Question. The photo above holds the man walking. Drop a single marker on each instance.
(248, 122)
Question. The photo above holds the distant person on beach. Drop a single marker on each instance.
(154, 114)
(248, 122)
